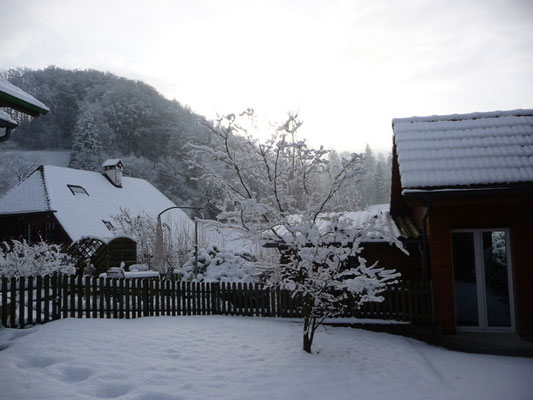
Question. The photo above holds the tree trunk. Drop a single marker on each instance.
(309, 324)
(308, 342)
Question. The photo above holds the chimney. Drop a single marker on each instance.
(113, 171)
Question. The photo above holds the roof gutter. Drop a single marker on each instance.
(470, 192)
(22, 105)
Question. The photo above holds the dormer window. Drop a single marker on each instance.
(108, 225)
(78, 190)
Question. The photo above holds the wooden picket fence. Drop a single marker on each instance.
(37, 300)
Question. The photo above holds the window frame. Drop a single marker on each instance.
(108, 225)
(477, 234)
(76, 193)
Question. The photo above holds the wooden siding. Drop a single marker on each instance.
(512, 212)
(16, 227)
(389, 256)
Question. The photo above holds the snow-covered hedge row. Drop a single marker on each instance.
(19, 258)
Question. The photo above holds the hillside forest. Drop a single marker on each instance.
(96, 115)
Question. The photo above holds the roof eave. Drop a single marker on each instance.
(468, 191)
(21, 105)
(28, 212)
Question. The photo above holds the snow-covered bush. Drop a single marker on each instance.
(28, 259)
(215, 265)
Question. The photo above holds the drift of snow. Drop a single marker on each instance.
(192, 358)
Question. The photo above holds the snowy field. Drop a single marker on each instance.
(215, 357)
(59, 158)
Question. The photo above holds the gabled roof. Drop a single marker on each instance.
(82, 215)
(14, 97)
(28, 196)
(478, 149)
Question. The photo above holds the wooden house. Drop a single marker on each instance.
(65, 205)
(467, 182)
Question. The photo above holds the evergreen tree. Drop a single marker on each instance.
(380, 184)
(87, 139)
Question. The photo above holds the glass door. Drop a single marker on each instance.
(482, 279)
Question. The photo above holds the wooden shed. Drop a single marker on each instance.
(467, 182)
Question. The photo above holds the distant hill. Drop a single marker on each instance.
(96, 115)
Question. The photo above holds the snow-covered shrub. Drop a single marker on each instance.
(28, 259)
(216, 265)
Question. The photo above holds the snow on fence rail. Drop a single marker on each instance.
(36, 300)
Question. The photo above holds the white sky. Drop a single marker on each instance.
(347, 67)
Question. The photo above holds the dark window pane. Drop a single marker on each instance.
(464, 273)
(496, 282)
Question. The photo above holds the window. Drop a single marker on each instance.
(77, 190)
(109, 225)
(482, 278)
(49, 231)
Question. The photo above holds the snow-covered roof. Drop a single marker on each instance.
(28, 196)
(112, 162)
(465, 149)
(378, 215)
(17, 95)
(56, 189)
(6, 120)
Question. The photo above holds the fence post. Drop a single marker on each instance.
(87, 296)
(79, 283)
(64, 291)
(22, 289)
(46, 287)
(4, 302)
(56, 295)
(146, 310)
(39, 303)
(30, 300)
(94, 280)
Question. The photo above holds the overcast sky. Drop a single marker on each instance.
(347, 67)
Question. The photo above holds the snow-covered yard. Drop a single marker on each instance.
(210, 357)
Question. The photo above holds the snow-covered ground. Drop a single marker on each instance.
(216, 357)
(59, 158)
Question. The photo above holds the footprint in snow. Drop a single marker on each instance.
(75, 374)
(158, 396)
(110, 391)
(38, 362)
(21, 333)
